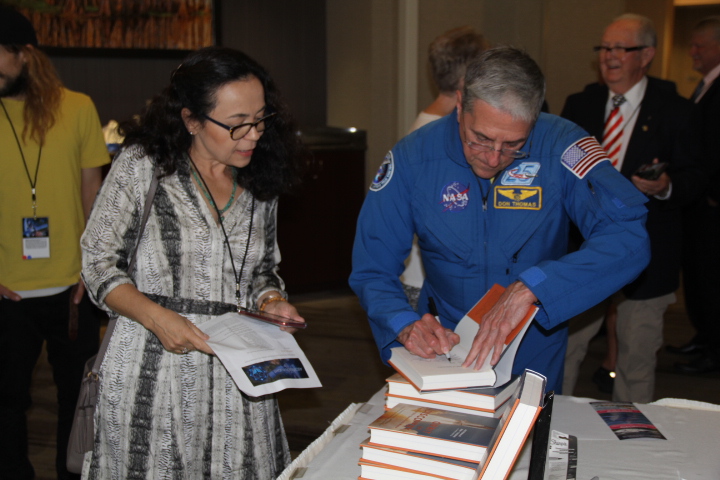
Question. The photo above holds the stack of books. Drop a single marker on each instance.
(484, 401)
(443, 382)
(446, 421)
(426, 443)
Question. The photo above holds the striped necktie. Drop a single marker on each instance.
(612, 135)
(697, 91)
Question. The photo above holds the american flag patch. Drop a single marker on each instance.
(583, 155)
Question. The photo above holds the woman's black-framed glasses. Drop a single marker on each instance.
(239, 131)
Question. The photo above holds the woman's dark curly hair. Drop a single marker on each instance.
(160, 129)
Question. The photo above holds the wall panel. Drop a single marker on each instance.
(286, 36)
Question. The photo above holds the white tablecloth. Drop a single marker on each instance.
(691, 451)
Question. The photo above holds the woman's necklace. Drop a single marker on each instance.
(206, 193)
(201, 181)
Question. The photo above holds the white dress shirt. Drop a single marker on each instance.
(629, 110)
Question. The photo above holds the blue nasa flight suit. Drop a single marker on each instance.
(474, 232)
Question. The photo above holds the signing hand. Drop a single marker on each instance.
(498, 323)
(427, 337)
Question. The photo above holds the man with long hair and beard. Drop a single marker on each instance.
(52, 154)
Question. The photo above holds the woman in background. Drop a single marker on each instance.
(226, 150)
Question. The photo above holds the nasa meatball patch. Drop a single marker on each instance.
(384, 173)
(454, 197)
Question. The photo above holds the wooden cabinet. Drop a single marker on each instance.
(316, 224)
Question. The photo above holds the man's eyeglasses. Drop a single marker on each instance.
(239, 131)
(619, 51)
(488, 147)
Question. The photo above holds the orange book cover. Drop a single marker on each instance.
(439, 374)
(488, 302)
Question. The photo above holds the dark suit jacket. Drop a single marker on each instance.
(706, 122)
(662, 131)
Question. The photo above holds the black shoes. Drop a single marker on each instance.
(690, 348)
(604, 379)
(705, 363)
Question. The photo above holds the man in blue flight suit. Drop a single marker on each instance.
(490, 191)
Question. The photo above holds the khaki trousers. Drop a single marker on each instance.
(640, 336)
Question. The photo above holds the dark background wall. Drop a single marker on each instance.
(287, 37)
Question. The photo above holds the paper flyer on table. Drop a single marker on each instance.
(261, 358)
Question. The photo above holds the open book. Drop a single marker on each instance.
(439, 374)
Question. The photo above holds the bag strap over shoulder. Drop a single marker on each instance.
(131, 267)
(146, 213)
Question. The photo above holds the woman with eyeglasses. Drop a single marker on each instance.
(221, 142)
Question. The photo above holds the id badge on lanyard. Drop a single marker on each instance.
(36, 237)
(35, 230)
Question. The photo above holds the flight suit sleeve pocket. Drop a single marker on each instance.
(616, 195)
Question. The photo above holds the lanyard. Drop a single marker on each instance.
(33, 181)
(238, 277)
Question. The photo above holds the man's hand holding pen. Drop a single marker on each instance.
(427, 337)
(434, 312)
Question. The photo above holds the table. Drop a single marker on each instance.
(691, 451)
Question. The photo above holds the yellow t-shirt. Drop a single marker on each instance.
(74, 142)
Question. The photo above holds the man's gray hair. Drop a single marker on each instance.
(507, 79)
(711, 24)
(646, 34)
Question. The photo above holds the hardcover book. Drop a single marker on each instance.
(482, 400)
(514, 428)
(391, 402)
(380, 471)
(439, 374)
(429, 464)
(542, 442)
(434, 431)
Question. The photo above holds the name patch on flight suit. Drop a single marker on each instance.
(518, 198)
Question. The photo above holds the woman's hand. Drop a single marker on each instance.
(177, 333)
(285, 309)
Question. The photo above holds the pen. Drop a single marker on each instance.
(434, 313)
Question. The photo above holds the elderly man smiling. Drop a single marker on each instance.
(641, 121)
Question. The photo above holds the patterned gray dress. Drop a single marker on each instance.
(161, 415)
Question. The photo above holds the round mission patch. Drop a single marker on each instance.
(384, 173)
